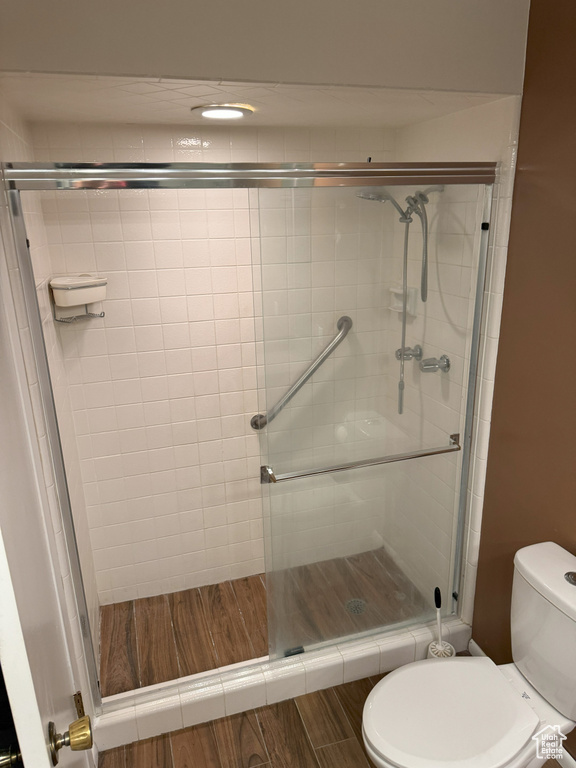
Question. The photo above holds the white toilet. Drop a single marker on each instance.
(466, 712)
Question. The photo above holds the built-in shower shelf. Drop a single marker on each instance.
(396, 300)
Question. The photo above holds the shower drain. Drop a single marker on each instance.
(356, 606)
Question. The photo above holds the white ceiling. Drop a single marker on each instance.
(71, 98)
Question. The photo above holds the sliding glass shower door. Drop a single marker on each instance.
(367, 307)
(369, 302)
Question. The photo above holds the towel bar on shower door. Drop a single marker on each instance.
(267, 474)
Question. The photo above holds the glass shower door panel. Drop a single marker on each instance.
(333, 253)
(357, 552)
(321, 262)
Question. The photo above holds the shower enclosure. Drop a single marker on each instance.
(368, 284)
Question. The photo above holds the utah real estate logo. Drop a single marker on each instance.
(549, 743)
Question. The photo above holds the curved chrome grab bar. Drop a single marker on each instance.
(260, 420)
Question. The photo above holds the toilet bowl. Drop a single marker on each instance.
(466, 712)
(463, 712)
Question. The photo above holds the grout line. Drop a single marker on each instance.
(169, 736)
(306, 732)
(243, 623)
(101, 670)
(242, 614)
(138, 664)
(262, 737)
(173, 635)
(209, 629)
(216, 741)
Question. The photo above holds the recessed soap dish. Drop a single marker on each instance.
(76, 291)
(396, 299)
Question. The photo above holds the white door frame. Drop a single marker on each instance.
(34, 648)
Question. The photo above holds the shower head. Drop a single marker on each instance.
(372, 196)
(382, 197)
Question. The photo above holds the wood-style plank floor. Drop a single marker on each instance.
(319, 730)
(155, 639)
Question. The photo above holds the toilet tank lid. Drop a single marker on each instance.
(544, 567)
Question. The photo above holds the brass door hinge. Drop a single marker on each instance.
(79, 704)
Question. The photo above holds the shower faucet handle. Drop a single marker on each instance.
(432, 364)
(410, 353)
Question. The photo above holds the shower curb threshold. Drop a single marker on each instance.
(165, 707)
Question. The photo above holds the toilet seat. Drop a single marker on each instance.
(437, 712)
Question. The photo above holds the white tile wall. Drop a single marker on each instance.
(452, 138)
(422, 537)
(163, 388)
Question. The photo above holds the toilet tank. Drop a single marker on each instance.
(543, 622)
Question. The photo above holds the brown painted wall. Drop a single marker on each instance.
(531, 479)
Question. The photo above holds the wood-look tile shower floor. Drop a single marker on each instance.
(155, 639)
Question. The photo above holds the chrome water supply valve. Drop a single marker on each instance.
(433, 364)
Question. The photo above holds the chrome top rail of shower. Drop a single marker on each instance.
(260, 420)
(267, 474)
(28, 176)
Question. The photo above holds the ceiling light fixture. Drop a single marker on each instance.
(224, 111)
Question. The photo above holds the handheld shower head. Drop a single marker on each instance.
(382, 197)
(365, 195)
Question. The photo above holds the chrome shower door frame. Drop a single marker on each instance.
(19, 177)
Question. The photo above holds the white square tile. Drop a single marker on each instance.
(395, 651)
(115, 729)
(243, 690)
(458, 634)
(160, 715)
(422, 638)
(285, 679)
(202, 699)
(323, 669)
(360, 660)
